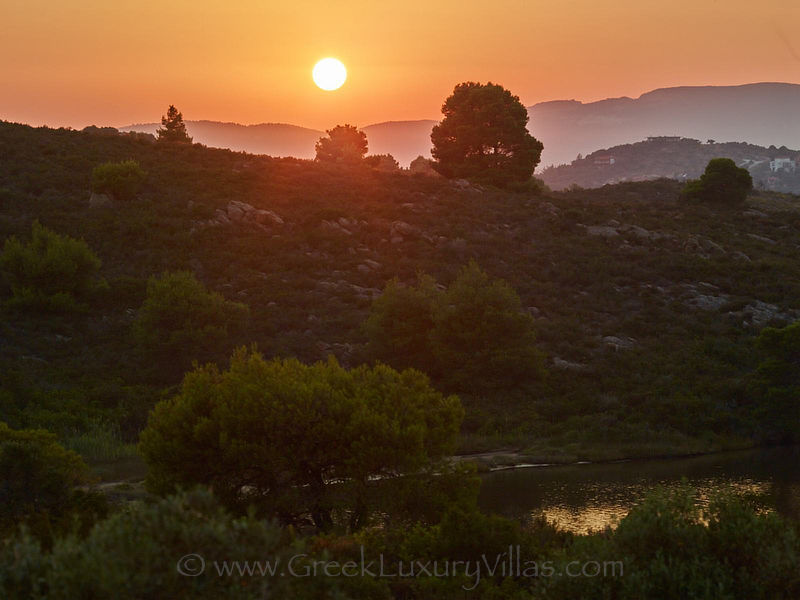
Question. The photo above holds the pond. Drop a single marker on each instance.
(586, 497)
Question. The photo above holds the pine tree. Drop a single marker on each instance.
(173, 129)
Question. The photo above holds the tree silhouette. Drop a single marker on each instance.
(344, 144)
(173, 129)
(722, 183)
(484, 137)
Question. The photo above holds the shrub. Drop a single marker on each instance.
(180, 320)
(300, 442)
(382, 162)
(120, 180)
(37, 483)
(472, 337)
(481, 337)
(51, 272)
(400, 323)
(721, 183)
(135, 554)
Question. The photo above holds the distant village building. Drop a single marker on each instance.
(782, 164)
(604, 159)
(664, 138)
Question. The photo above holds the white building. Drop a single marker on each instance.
(782, 164)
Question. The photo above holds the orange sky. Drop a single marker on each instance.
(115, 62)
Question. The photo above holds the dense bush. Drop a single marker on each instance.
(382, 162)
(38, 480)
(776, 382)
(51, 272)
(474, 336)
(721, 183)
(135, 554)
(180, 320)
(298, 441)
(482, 338)
(119, 180)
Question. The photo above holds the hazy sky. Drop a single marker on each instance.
(115, 62)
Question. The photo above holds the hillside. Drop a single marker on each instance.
(674, 158)
(645, 308)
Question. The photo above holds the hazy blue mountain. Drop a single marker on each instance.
(405, 140)
(760, 113)
(275, 139)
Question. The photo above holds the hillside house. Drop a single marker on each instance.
(782, 164)
(604, 159)
(664, 138)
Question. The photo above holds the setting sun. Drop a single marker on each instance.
(329, 74)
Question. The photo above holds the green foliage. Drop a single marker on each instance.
(181, 321)
(280, 434)
(344, 144)
(400, 322)
(135, 554)
(722, 183)
(776, 382)
(484, 137)
(173, 129)
(481, 337)
(51, 272)
(473, 337)
(37, 483)
(120, 180)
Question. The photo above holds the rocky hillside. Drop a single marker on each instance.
(674, 158)
(645, 308)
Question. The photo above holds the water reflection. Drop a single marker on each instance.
(581, 498)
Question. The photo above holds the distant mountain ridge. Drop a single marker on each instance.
(759, 113)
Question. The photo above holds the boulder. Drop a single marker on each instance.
(602, 231)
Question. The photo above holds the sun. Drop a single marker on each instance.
(329, 74)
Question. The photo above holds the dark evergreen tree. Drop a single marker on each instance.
(173, 129)
(484, 136)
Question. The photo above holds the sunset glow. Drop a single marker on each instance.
(116, 63)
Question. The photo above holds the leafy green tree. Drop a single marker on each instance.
(120, 180)
(180, 320)
(51, 272)
(482, 339)
(472, 337)
(344, 144)
(400, 323)
(721, 183)
(173, 129)
(299, 442)
(38, 478)
(483, 136)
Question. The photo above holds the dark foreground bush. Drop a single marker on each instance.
(177, 548)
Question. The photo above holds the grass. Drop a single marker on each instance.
(101, 443)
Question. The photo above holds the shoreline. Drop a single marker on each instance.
(505, 460)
